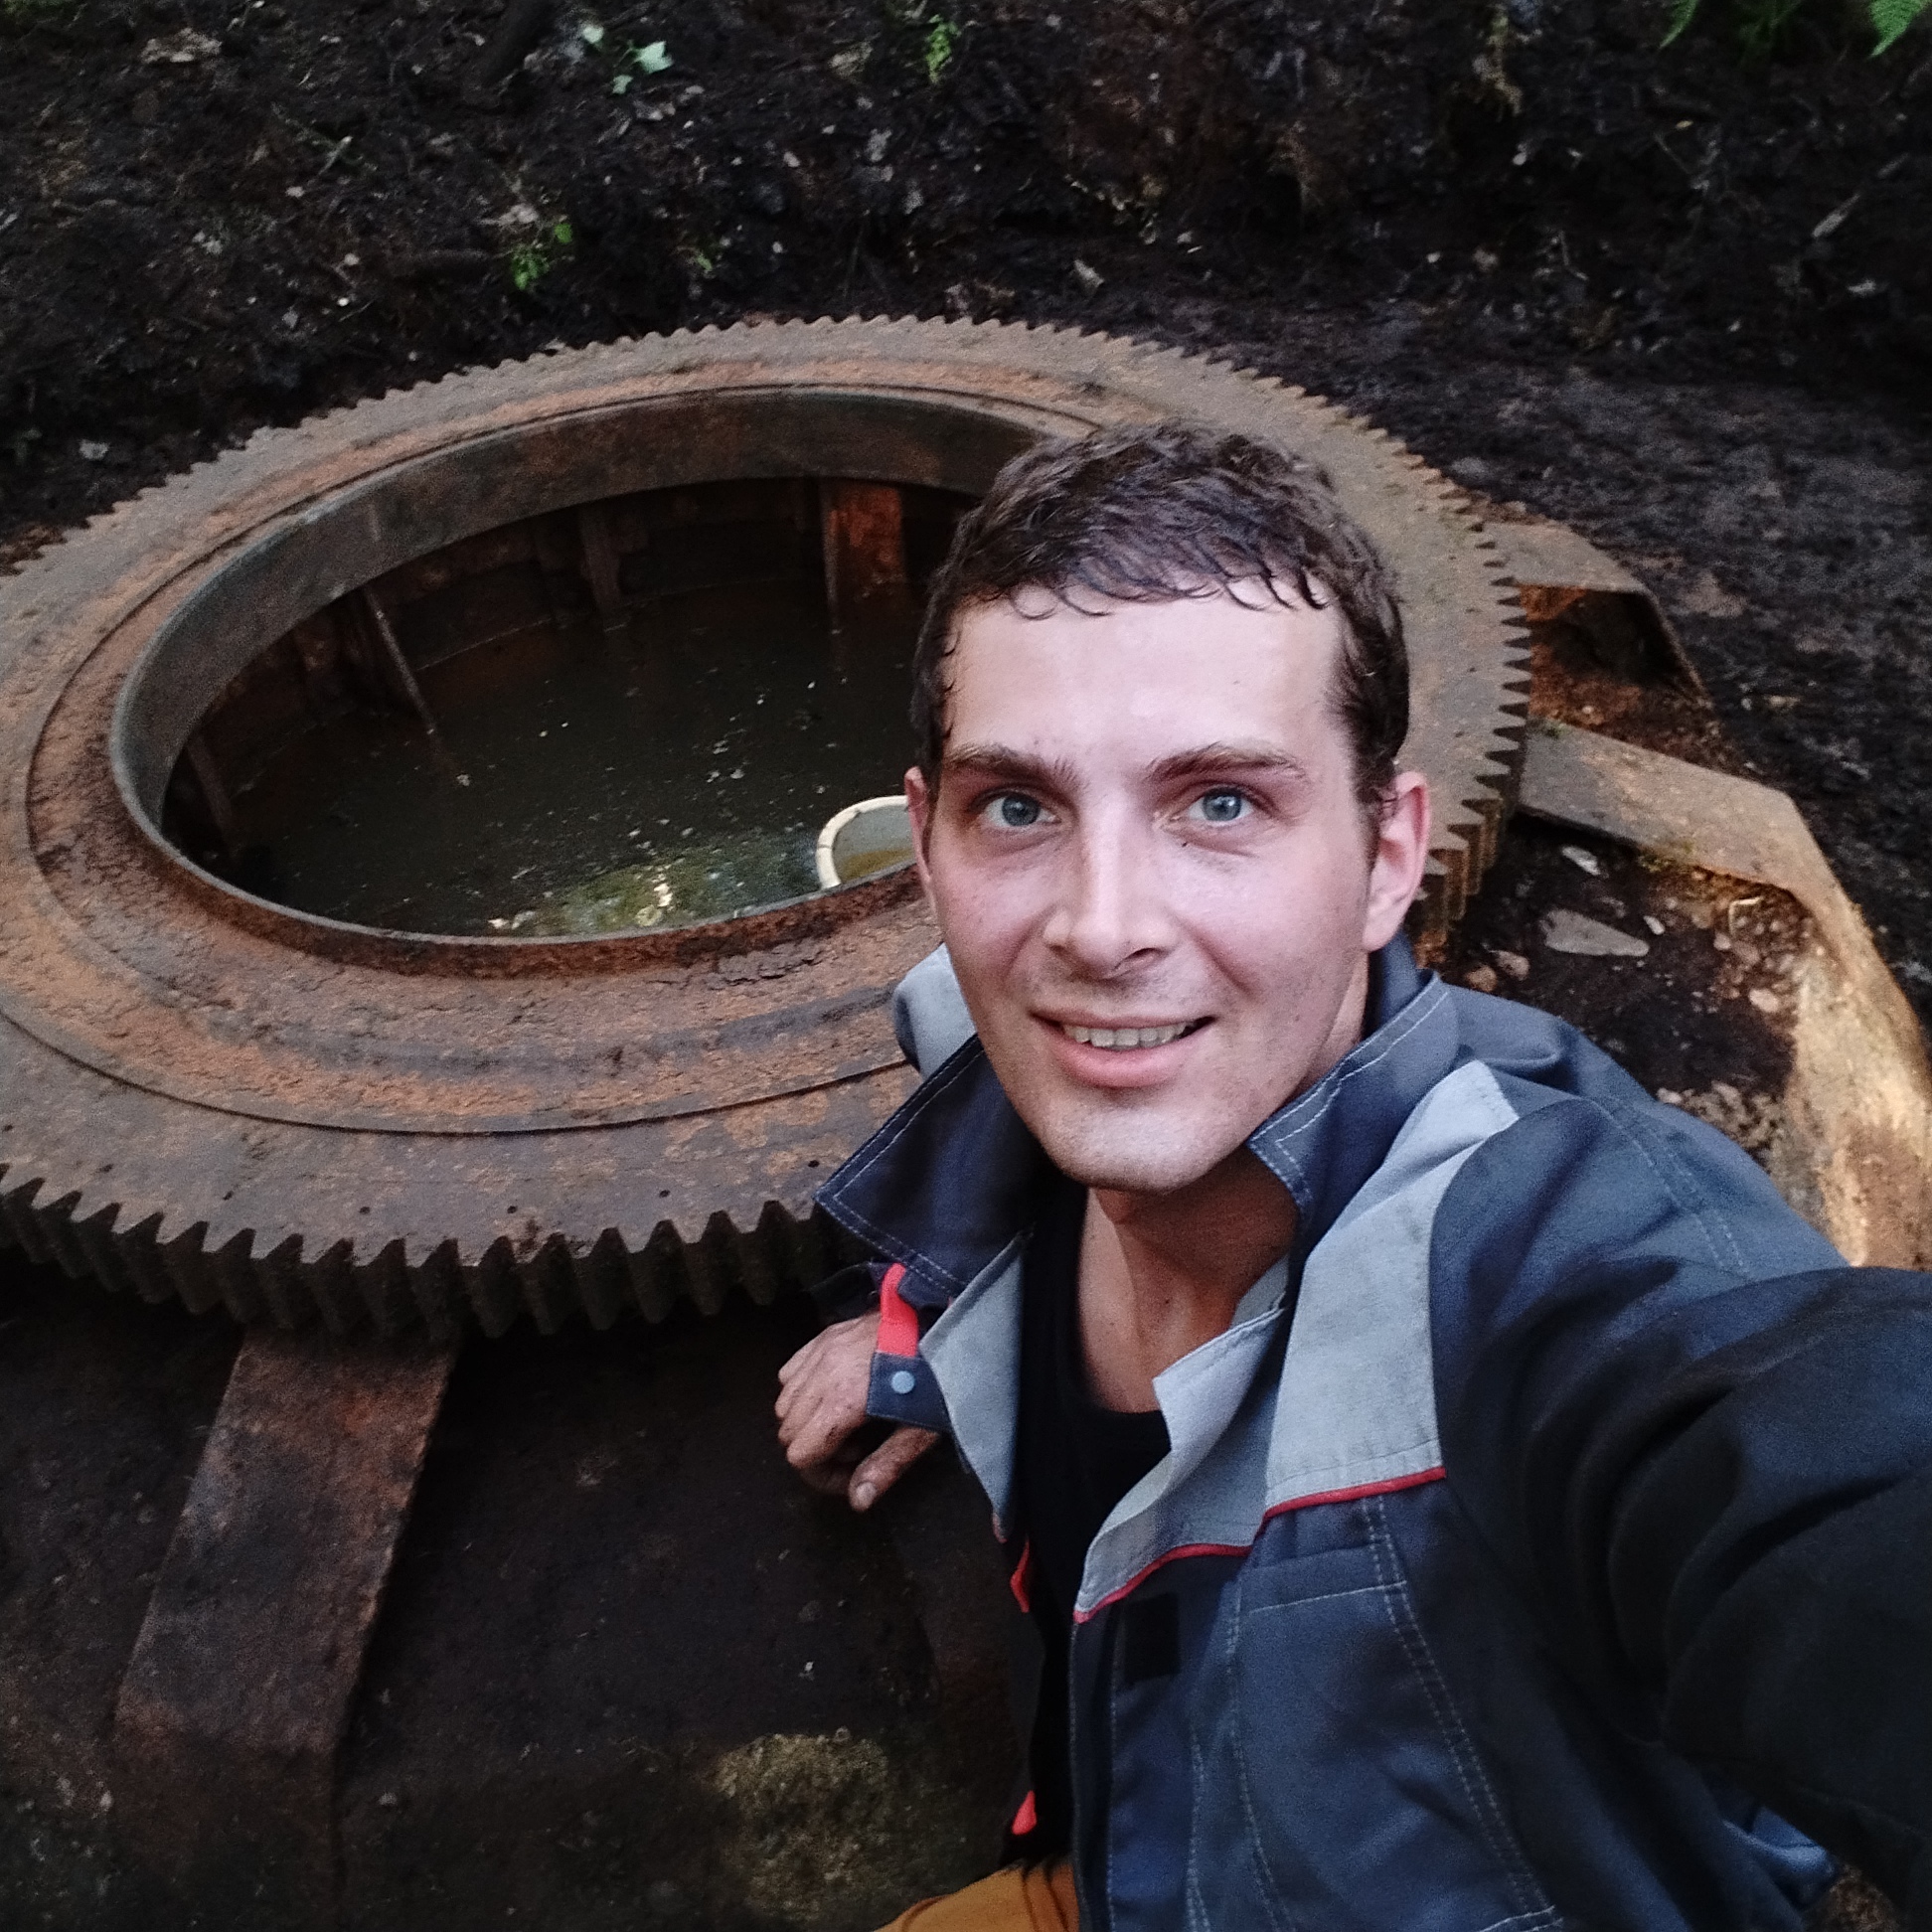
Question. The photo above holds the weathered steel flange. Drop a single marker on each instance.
(204, 1094)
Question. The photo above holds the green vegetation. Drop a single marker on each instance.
(648, 59)
(1892, 17)
(1763, 23)
(942, 37)
(530, 261)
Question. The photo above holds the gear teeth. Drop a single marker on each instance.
(546, 1285)
(436, 1284)
(191, 1268)
(56, 1228)
(604, 1279)
(658, 1273)
(105, 1261)
(382, 1285)
(710, 1262)
(237, 1278)
(147, 1268)
(331, 1282)
(284, 1289)
(495, 1298)
(17, 1204)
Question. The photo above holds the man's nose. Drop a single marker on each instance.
(1110, 908)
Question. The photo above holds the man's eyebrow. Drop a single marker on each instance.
(1017, 767)
(1221, 759)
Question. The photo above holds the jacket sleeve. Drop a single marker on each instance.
(902, 1387)
(1708, 1458)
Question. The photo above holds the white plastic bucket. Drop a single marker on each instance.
(865, 838)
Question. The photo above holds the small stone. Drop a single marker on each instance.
(388, 1801)
(1565, 931)
(1655, 923)
(1765, 1000)
(180, 49)
(1512, 963)
(1583, 861)
(1480, 978)
(93, 452)
(1088, 277)
(1722, 941)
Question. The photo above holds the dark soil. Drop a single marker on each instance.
(630, 1671)
(1703, 1020)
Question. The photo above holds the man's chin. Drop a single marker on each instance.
(1130, 1162)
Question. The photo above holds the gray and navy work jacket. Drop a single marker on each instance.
(1559, 1507)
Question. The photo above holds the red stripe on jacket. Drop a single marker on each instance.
(898, 1320)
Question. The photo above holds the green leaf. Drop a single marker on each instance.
(1892, 17)
(939, 46)
(1682, 13)
(652, 59)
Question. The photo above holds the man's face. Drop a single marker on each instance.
(1154, 875)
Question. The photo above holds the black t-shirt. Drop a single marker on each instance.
(1076, 1460)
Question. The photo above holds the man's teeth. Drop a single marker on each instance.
(1121, 1038)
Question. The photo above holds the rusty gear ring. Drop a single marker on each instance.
(208, 1096)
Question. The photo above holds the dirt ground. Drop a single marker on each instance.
(1681, 298)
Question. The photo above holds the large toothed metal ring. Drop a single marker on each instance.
(207, 1096)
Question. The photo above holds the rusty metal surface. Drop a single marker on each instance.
(206, 1095)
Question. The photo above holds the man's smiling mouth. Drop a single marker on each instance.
(1123, 1038)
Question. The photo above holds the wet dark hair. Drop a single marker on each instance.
(1146, 515)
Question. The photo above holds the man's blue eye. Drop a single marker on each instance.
(1223, 807)
(1018, 812)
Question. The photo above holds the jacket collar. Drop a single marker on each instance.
(948, 1184)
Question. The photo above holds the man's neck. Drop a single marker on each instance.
(1160, 1274)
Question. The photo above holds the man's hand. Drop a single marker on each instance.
(822, 1394)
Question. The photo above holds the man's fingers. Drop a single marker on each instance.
(799, 1364)
(887, 1463)
(830, 1477)
(819, 1433)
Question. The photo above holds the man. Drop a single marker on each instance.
(1450, 1488)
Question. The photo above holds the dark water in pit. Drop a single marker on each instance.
(678, 772)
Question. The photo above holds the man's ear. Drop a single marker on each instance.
(1401, 858)
(918, 808)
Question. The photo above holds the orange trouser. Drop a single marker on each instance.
(1022, 1898)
